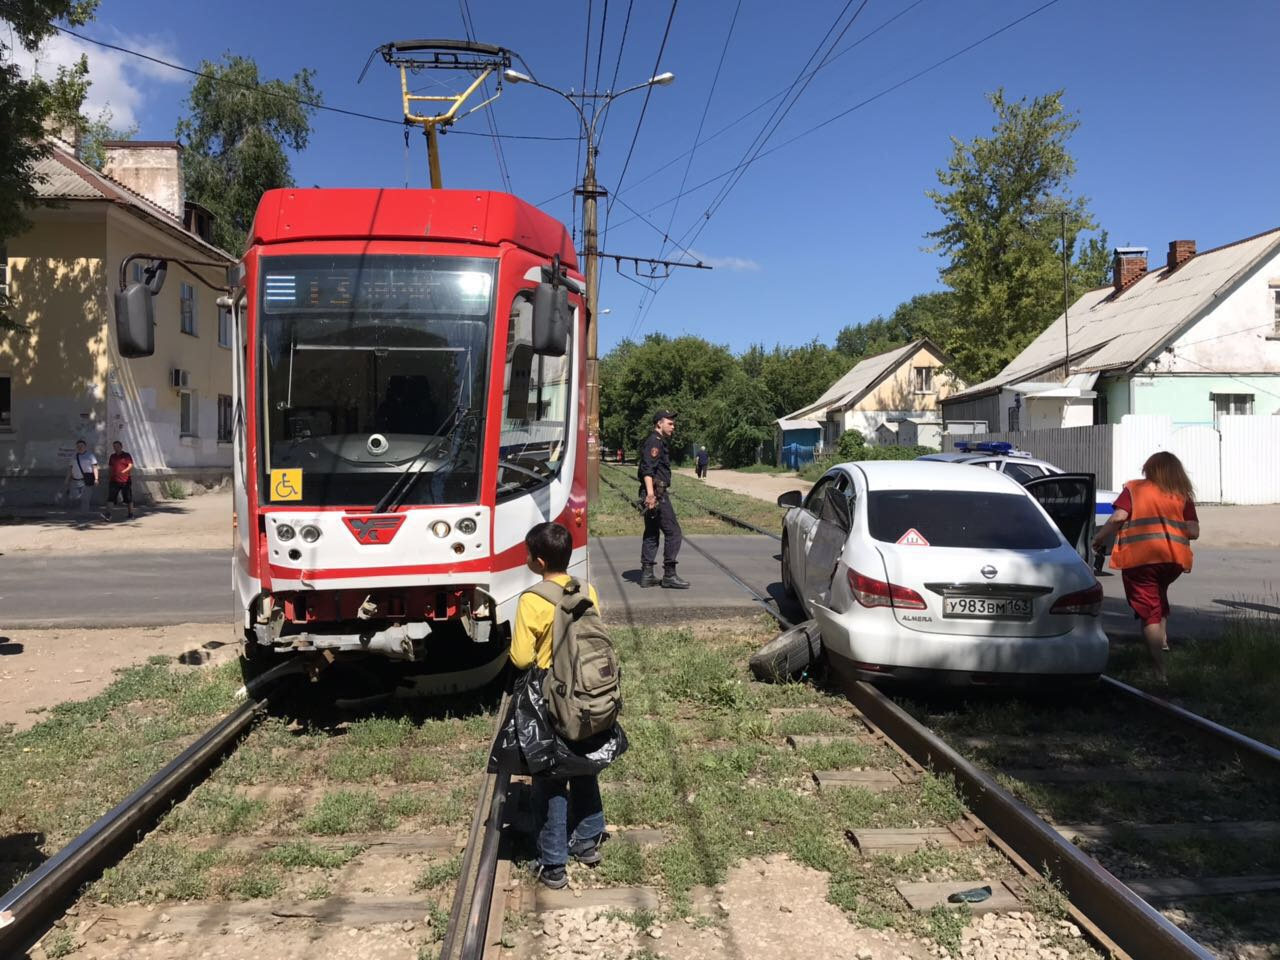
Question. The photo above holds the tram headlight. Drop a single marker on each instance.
(466, 526)
(440, 528)
(285, 532)
(310, 533)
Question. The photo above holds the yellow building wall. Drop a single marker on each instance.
(897, 392)
(68, 380)
(56, 363)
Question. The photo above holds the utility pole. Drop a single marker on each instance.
(1066, 298)
(590, 192)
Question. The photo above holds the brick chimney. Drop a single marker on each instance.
(152, 168)
(1130, 264)
(1180, 251)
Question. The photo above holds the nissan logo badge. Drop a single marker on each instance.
(989, 571)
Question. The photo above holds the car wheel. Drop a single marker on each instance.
(787, 586)
(788, 655)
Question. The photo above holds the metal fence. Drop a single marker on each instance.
(795, 455)
(1074, 449)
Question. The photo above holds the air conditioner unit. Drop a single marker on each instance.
(179, 379)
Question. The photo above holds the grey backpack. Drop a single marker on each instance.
(583, 688)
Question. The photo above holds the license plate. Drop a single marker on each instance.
(987, 608)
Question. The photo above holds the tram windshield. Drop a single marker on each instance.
(373, 370)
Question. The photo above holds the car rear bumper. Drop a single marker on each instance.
(877, 646)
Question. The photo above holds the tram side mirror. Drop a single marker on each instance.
(551, 320)
(136, 321)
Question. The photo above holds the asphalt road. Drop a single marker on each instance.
(155, 589)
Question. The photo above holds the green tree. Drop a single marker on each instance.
(739, 418)
(236, 134)
(1005, 204)
(794, 377)
(25, 103)
(924, 315)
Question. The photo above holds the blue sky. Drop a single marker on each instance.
(1176, 99)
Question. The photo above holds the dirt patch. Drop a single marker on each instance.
(41, 668)
(197, 523)
(762, 486)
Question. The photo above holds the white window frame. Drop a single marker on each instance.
(1275, 309)
(187, 314)
(192, 427)
(1232, 400)
(224, 327)
(922, 373)
(6, 404)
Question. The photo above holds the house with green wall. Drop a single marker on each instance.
(1195, 339)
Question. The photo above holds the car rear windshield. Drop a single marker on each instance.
(958, 518)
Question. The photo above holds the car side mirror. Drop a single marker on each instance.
(136, 320)
(551, 320)
(792, 498)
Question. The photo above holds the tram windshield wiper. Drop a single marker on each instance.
(404, 481)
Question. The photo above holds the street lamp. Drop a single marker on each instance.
(590, 193)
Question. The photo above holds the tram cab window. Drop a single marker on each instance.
(536, 402)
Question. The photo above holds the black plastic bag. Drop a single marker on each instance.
(528, 744)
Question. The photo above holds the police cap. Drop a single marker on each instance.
(664, 415)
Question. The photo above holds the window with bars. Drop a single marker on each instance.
(187, 307)
(1275, 311)
(225, 427)
(924, 379)
(1231, 404)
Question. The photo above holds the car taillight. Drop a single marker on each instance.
(1085, 602)
(876, 593)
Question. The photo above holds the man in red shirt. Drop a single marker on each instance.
(120, 468)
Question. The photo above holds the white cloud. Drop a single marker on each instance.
(726, 263)
(120, 81)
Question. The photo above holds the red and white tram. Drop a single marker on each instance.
(409, 400)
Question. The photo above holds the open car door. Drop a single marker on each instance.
(1068, 498)
(834, 522)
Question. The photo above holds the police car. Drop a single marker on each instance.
(1021, 466)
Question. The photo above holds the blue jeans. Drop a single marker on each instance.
(568, 812)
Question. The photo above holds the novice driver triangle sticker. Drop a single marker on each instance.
(912, 538)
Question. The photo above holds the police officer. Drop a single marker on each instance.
(659, 516)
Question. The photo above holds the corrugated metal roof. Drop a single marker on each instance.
(64, 177)
(858, 380)
(1111, 332)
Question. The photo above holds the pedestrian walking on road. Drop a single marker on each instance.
(120, 478)
(569, 812)
(701, 463)
(1154, 522)
(654, 473)
(82, 476)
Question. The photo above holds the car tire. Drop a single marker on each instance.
(790, 654)
(788, 587)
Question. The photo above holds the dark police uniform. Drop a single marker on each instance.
(655, 462)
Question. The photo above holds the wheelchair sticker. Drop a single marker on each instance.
(286, 484)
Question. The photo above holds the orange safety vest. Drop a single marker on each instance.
(1155, 531)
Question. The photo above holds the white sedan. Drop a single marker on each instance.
(963, 576)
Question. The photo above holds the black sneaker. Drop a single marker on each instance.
(553, 878)
(587, 852)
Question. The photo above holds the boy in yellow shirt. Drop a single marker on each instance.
(568, 811)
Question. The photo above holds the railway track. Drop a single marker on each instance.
(1020, 783)
(47, 898)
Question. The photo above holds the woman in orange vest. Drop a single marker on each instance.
(1156, 521)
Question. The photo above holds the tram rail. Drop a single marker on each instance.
(1120, 920)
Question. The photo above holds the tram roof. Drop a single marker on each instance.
(466, 216)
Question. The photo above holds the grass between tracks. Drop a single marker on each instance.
(1232, 679)
(614, 514)
(709, 767)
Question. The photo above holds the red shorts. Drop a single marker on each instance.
(1146, 587)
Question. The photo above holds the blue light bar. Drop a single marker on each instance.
(996, 446)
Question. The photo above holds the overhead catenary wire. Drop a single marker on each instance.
(582, 133)
(862, 103)
(644, 108)
(315, 105)
(617, 61)
(468, 26)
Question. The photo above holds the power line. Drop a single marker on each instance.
(617, 63)
(468, 26)
(582, 134)
(313, 104)
(604, 19)
(644, 107)
(869, 100)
